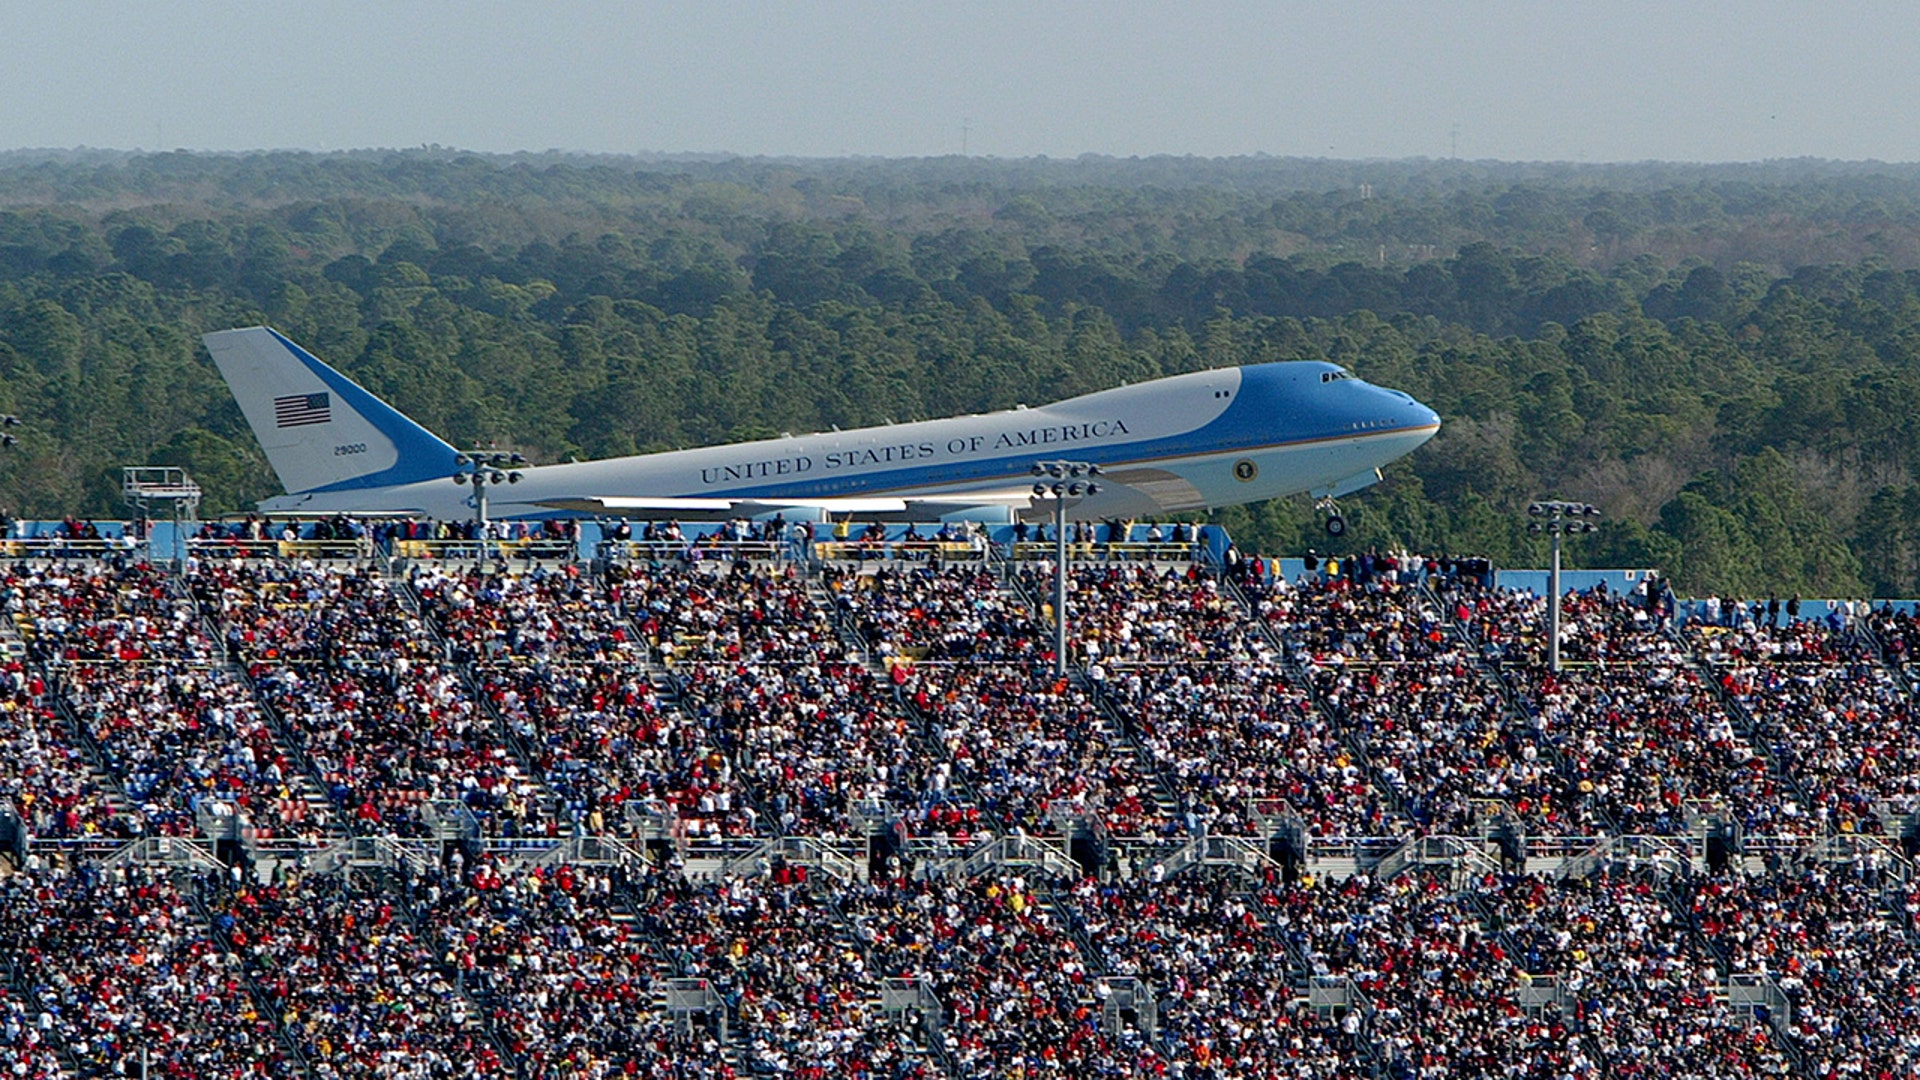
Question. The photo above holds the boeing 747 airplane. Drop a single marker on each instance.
(1169, 446)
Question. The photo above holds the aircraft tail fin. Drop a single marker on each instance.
(321, 430)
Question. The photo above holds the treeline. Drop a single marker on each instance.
(1750, 428)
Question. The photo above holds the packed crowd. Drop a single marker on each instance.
(729, 611)
(1143, 613)
(602, 740)
(1839, 721)
(957, 613)
(1240, 741)
(557, 657)
(101, 612)
(823, 742)
(1033, 748)
(1649, 749)
(487, 965)
(1829, 937)
(1621, 955)
(556, 960)
(1442, 744)
(782, 955)
(1224, 987)
(1898, 633)
(368, 695)
(1401, 698)
(137, 673)
(185, 741)
(354, 983)
(542, 616)
(46, 775)
(116, 973)
(1397, 701)
(1015, 992)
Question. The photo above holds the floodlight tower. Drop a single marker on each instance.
(483, 469)
(1066, 483)
(1558, 519)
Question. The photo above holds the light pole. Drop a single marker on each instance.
(1066, 483)
(1558, 519)
(482, 469)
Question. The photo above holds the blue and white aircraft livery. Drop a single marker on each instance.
(1169, 446)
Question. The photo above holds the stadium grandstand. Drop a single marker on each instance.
(328, 800)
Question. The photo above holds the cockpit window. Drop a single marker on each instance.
(1335, 375)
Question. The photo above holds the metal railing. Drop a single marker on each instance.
(1749, 992)
(1460, 854)
(1095, 551)
(1862, 850)
(1665, 855)
(699, 550)
(1123, 994)
(60, 547)
(687, 998)
(805, 851)
(1242, 853)
(371, 852)
(1003, 851)
(453, 549)
(901, 550)
(171, 851)
(234, 547)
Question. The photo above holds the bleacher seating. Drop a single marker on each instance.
(718, 816)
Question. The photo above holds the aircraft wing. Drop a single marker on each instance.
(882, 507)
(1126, 492)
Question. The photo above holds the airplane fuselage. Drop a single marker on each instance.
(1183, 443)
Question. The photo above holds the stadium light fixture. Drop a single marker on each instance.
(1558, 518)
(483, 469)
(1069, 486)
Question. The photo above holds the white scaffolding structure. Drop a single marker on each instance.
(146, 488)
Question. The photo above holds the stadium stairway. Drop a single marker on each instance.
(1287, 654)
(19, 637)
(307, 783)
(690, 1001)
(1115, 731)
(1760, 737)
(1496, 675)
(202, 892)
(1903, 676)
(1119, 733)
(479, 1004)
(304, 784)
(120, 804)
(13, 630)
(466, 666)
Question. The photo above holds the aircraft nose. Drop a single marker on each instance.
(1414, 414)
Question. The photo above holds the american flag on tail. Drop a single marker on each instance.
(297, 410)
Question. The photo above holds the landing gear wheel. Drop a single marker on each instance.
(1336, 522)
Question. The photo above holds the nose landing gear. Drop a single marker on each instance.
(1336, 521)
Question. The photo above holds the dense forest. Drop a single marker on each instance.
(1726, 358)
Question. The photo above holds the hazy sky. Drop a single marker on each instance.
(1545, 79)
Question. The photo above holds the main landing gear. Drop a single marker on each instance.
(1336, 521)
